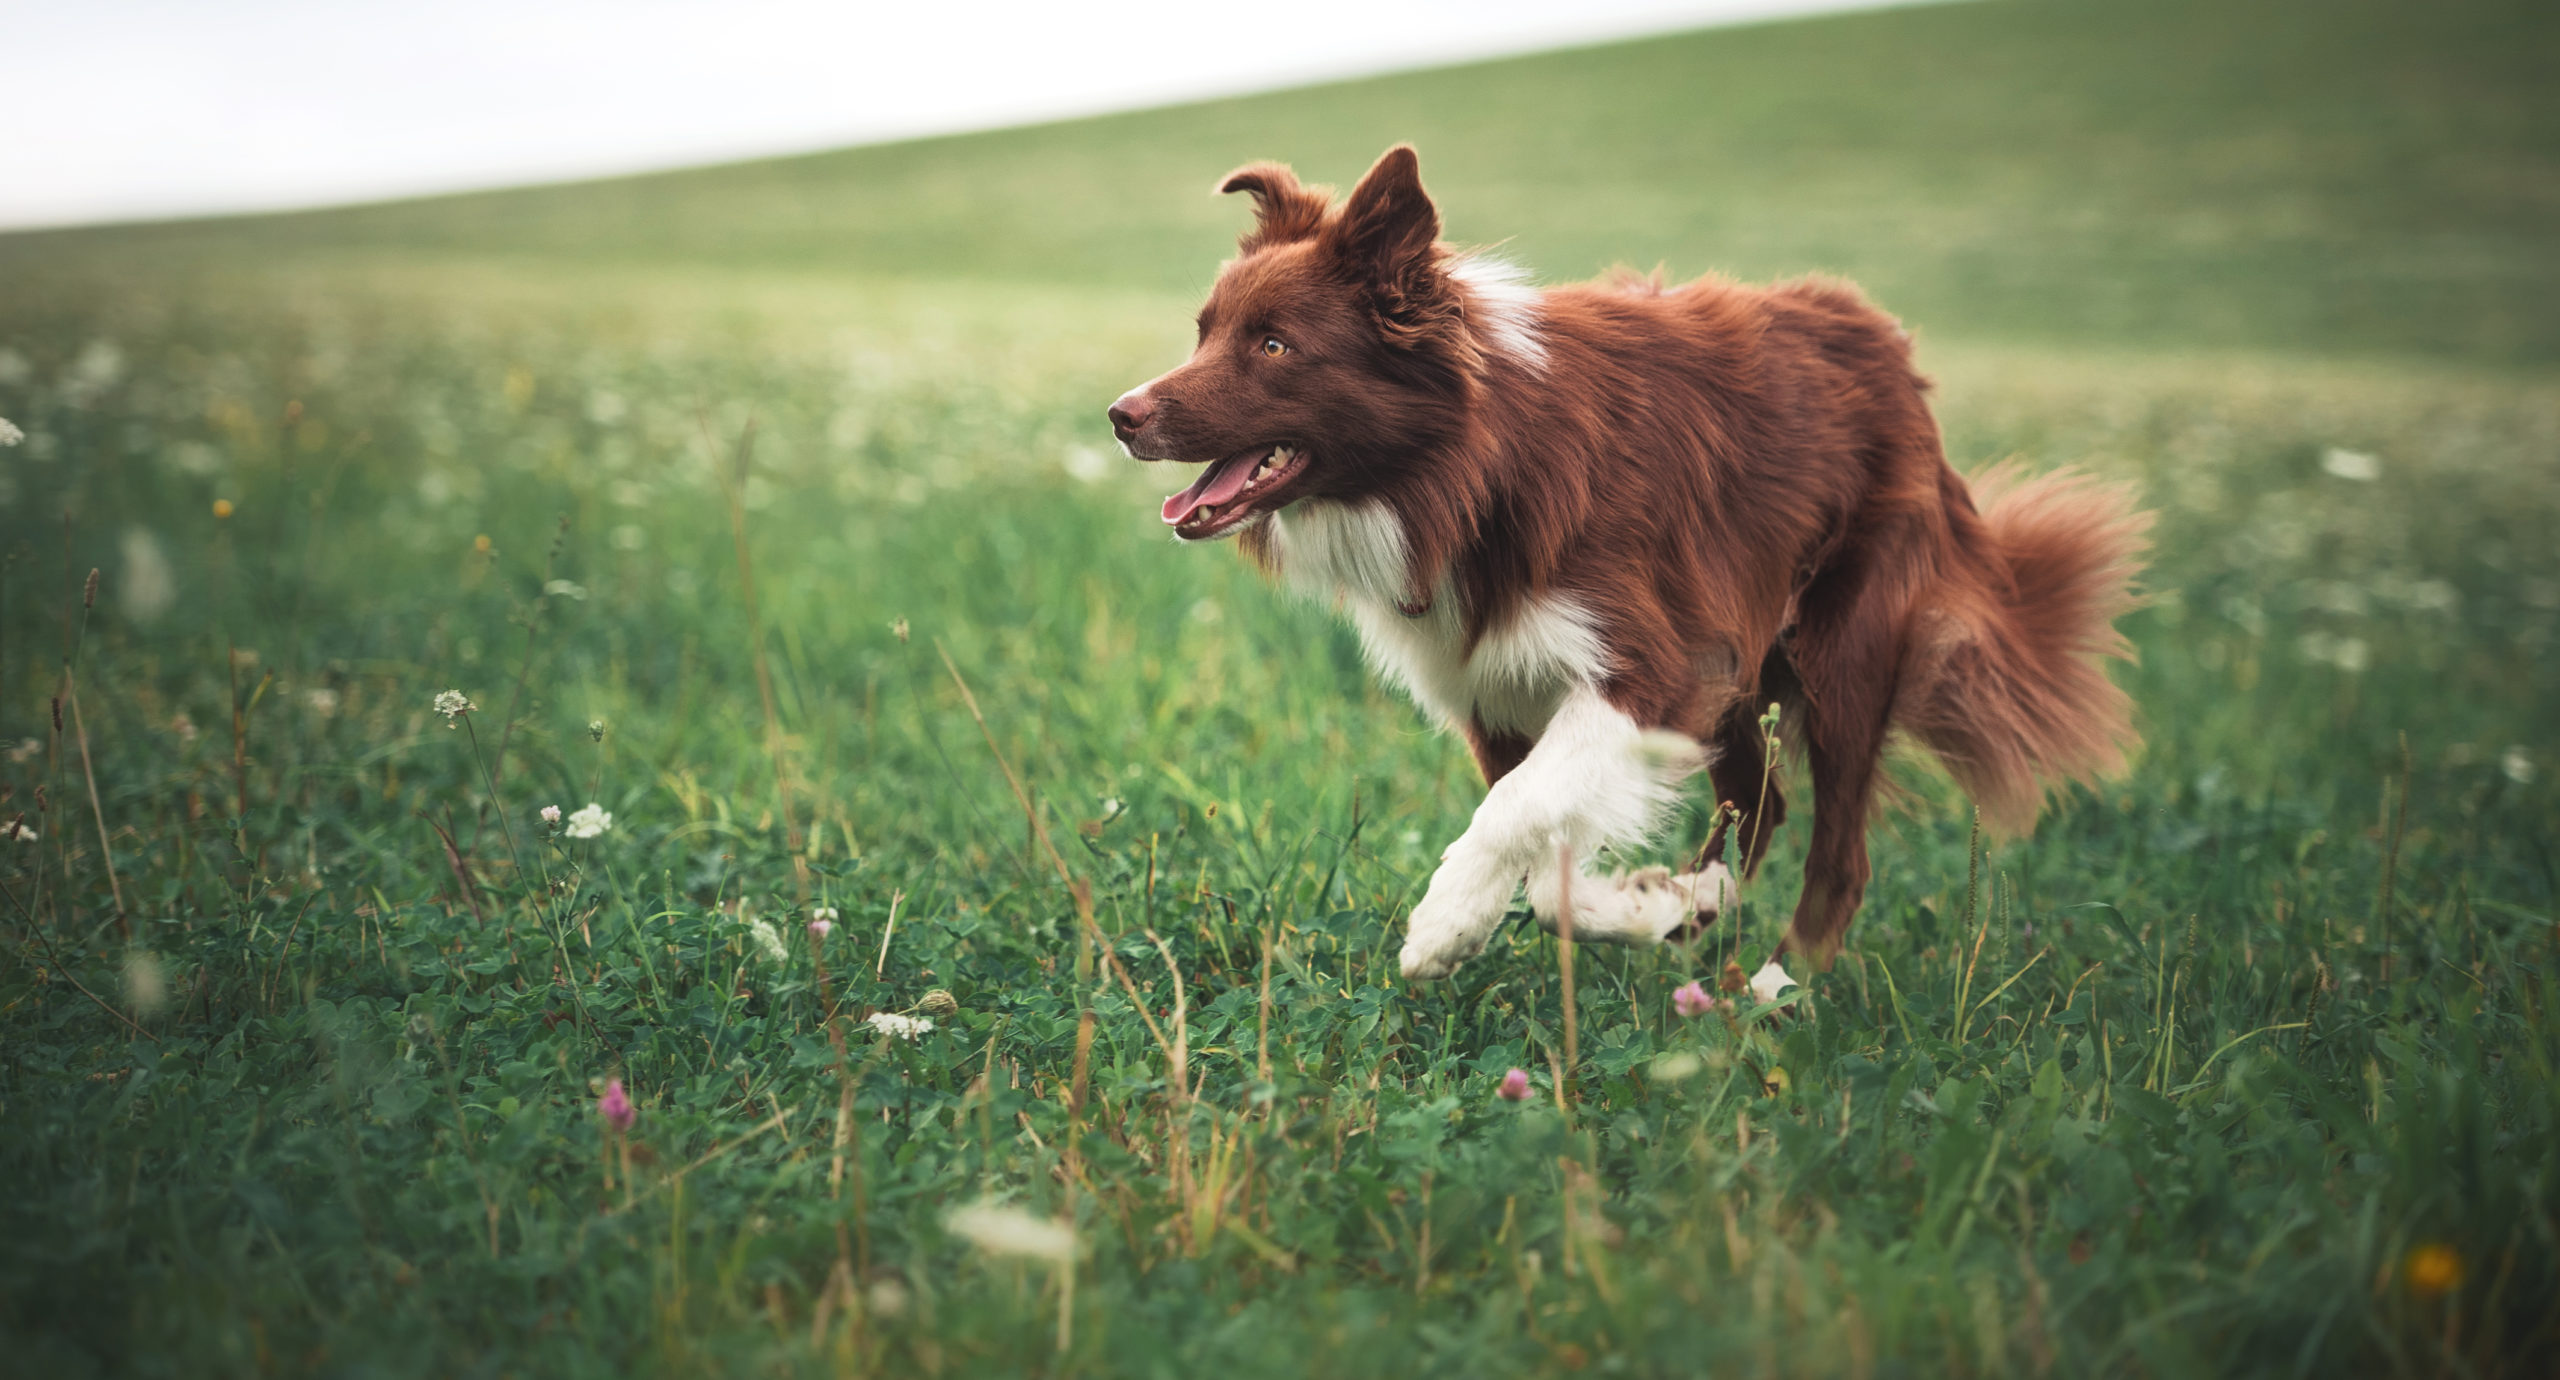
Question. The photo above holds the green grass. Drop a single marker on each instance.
(2176, 1086)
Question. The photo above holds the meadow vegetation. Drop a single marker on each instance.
(769, 510)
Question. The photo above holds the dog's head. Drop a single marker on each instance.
(1334, 354)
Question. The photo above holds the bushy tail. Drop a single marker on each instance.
(2012, 690)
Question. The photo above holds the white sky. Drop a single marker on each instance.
(118, 109)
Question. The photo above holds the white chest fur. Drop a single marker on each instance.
(1515, 677)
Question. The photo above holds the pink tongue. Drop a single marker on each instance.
(1219, 484)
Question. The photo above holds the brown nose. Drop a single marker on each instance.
(1131, 412)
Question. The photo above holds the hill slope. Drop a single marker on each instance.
(2348, 177)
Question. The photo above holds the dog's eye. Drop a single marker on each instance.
(1271, 346)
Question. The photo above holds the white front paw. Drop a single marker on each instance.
(1457, 915)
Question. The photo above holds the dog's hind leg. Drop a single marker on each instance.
(1848, 655)
(1594, 778)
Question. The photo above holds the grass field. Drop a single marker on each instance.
(2243, 1065)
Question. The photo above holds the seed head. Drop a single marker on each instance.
(939, 1004)
(89, 590)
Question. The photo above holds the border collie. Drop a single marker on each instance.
(1595, 528)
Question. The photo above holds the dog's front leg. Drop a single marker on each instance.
(1594, 778)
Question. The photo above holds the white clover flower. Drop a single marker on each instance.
(551, 815)
(9, 433)
(2517, 764)
(590, 820)
(322, 700)
(1001, 1230)
(769, 939)
(452, 704)
(904, 1027)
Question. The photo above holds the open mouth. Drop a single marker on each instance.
(1232, 491)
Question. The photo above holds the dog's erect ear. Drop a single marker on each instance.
(1389, 224)
(1283, 210)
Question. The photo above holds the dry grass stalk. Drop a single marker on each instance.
(735, 486)
(524, 669)
(1075, 886)
(890, 929)
(1262, 1020)
(1564, 961)
(80, 733)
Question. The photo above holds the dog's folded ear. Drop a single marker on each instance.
(1389, 224)
(1283, 210)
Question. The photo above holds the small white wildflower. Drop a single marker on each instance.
(2518, 765)
(904, 1027)
(2348, 654)
(567, 589)
(1087, 464)
(18, 829)
(2360, 466)
(590, 820)
(551, 815)
(322, 700)
(1677, 1066)
(769, 940)
(26, 748)
(1001, 1230)
(887, 1298)
(9, 433)
(146, 984)
(452, 704)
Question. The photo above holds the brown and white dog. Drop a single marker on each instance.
(1595, 528)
